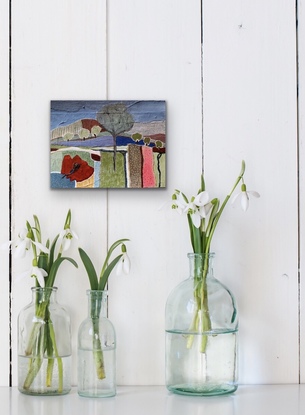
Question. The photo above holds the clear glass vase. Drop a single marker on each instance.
(201, 333)
(96, 350)
(44, 345)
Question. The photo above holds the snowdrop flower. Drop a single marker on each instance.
(201, 199)
(36, 272)
(65, 238)
(66, 235)
(198, 208)
(179, 203)
(23, 244)
(124, 263)
(39, 273)
(243, 196)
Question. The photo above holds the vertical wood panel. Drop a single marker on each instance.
(250, 113)
(59, 52)
(301, 73)
(154, 53)
(4, 191)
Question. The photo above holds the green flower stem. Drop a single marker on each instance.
(59, 360)
(96, 305)
(42, 339)
(201, 239)
(97, 350)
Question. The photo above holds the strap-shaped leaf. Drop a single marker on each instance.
(104, 277)
(53, 270)
(52, 251)
(109, 253)
(89, 268)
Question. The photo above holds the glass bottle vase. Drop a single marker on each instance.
(44, 345)
(201, 333)
(96, 350)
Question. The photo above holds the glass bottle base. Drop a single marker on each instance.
(202, 390)
(94, 394)
(44, 392)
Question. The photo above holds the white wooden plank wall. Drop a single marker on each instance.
(4, 191)
(301, 118)
(138, 49)
(157, 60)
(59, 52)
(250, 113)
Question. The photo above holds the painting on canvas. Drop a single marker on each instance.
(108, 144)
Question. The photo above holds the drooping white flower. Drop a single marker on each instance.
(35, 272)
(243, 196)
(23, 244)
(39, 274)
(198, 208)
(201, 199)
(124, 262)
(178, 202)
(65, 238)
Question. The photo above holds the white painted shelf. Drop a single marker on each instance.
(152, 400)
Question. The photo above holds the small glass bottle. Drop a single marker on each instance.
(201, 333)
(96, 350)
(44, 345)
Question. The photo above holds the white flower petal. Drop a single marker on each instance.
(74, 234)
(41, 247)
(66, 244)
(39, 273)
(20, 249)
(126, 264)
(196, 219)
(5, 245)
(244, 201)
(253, 193)
(123, 265)
(201, 199)
(236, 197)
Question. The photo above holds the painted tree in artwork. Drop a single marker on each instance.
(116, 120)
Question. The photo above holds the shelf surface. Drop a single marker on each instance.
(152, 400)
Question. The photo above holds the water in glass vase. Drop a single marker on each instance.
(89, 384)
(42, 384)
(201, 364)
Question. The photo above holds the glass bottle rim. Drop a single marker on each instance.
(97, 292)
(35, 289)
(200, 255)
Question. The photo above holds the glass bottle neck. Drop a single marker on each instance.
(97, 303)
(42, 295)
(201, 265)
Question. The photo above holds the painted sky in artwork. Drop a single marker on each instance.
(66, 112)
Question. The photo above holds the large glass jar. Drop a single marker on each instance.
(96, 350)
(44, 345)
(201, 333)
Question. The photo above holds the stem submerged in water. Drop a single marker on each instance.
(98, 351)
(41, 343)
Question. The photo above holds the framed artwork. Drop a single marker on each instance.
(108, 144)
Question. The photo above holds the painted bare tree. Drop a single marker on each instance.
(116, 120)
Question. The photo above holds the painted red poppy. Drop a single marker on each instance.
(76, 168)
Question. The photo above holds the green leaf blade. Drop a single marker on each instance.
(92, 275)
